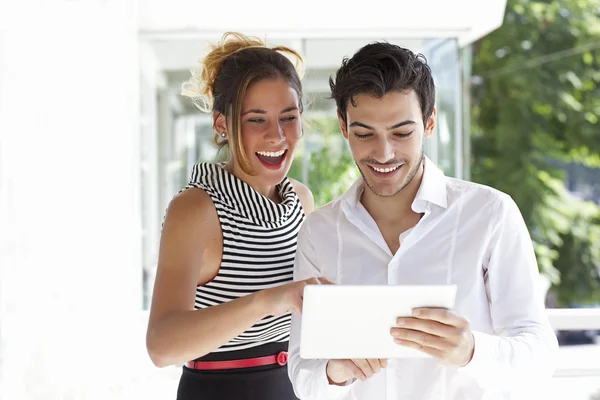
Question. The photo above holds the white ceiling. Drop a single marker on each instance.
(466, 20)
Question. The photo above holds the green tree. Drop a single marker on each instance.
(536, 102)
(331, 168)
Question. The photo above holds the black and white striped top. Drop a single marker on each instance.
(259, 247)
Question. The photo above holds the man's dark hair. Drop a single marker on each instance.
(380, 68)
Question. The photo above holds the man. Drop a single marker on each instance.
(405, 223)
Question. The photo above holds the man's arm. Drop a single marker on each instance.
(524, 345)
(308, 377)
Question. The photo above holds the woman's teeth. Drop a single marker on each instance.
(271, 153)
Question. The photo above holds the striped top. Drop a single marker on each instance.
(259, 247)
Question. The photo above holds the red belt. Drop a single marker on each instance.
(280, 359)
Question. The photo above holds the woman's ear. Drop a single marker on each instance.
(220, 124)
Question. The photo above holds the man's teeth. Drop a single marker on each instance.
(271, 153)
(386, 169)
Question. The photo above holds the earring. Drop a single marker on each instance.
(223, 134)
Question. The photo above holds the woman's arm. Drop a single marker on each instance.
(190, 251)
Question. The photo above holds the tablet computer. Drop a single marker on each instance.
(354, 321)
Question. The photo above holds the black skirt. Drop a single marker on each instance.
(270, 382)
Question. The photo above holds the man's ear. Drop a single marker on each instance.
(430, 123)
(343, 125)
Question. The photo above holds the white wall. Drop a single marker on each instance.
(69, 197)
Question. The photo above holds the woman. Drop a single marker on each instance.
(224, 292)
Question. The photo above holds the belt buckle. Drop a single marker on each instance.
(282, 358)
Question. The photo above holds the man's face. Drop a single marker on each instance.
(386, 139)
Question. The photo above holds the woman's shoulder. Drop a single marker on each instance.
(191, 205)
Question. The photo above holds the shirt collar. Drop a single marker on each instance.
(431, 191)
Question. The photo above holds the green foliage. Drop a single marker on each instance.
(536, 102)
(331, 168)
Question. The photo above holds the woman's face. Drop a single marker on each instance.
(270, 127)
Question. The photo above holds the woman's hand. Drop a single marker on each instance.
(288, 298)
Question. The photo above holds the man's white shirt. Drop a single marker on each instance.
(470, 235)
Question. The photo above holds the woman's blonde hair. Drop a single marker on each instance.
(221, 81)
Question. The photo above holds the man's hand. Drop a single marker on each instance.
(341, 371)
(438, 332)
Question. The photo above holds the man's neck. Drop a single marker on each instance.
(393, 207)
